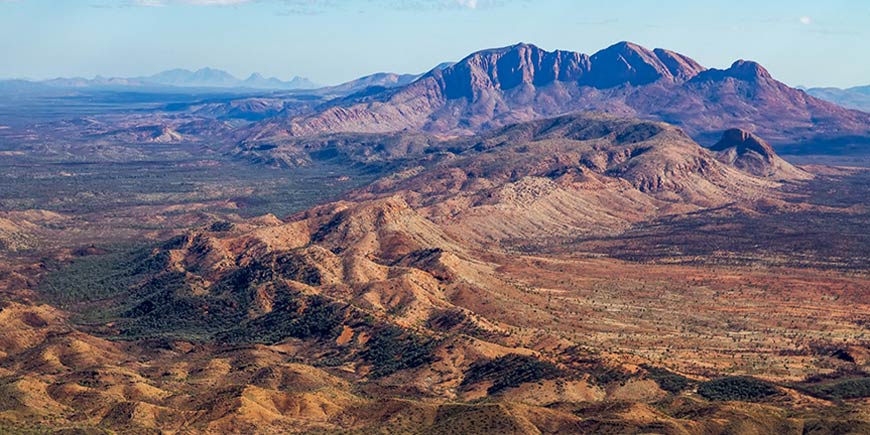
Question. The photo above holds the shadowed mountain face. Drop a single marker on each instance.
(503, 86)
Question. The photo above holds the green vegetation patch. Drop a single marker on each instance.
(146, 299)
(475, 419)
(297, 316)
(446, 320)
(669, 381)
(739, 388)
(392, 349)
(100, 277)
(32, 428)
(842, 389)
(510, 371)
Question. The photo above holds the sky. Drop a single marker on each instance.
(801, 42)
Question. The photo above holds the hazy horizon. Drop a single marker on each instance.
(334, 41)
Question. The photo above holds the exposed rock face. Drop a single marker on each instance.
(744, 142)
(523, 64)
(751, 154)
(627, 63)
(498, 87)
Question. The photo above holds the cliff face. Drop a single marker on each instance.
(524, 64)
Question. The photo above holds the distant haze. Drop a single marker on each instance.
(801, 42)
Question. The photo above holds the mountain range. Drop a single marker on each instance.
(201, 78)
(216, 78)
(208, 77)
(497, 87)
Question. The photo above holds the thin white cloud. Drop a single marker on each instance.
(152, 3)
(805, 20)
(310, 6)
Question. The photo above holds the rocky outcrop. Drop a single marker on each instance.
(751, 154)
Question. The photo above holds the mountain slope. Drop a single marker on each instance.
(426, 240)
(503, 86)
(205, 77)
(551, 180)
(407, 242)
(377, 80)
(556, 177)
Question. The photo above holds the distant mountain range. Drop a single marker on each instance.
(215, 78)
(208, 77)
(502, 86)
(857, 97)
(201, 78)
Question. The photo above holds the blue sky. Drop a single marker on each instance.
(801, 42)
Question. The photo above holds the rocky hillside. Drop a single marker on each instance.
(406, 307)
(403, 245)
(549, 177)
